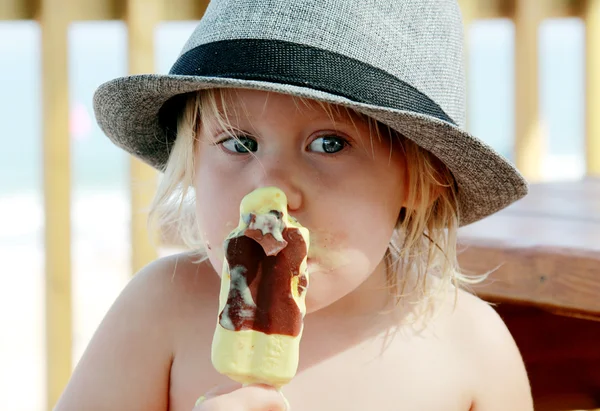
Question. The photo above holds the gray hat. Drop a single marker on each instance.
(399, 62)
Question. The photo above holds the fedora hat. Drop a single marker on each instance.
(400, 62)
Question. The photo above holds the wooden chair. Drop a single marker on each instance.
(546, 249)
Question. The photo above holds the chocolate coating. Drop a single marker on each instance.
(269, 280)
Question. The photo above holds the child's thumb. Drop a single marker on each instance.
(247, 398)
(218, 390)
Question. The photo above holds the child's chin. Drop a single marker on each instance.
(320, 295)
(313, 305)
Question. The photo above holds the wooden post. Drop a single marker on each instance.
(468, 9)
(529, 138)
(57, 196)
(141, 17)
(592, 31)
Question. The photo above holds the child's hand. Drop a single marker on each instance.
(249, 398)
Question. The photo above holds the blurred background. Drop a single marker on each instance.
(71, 203)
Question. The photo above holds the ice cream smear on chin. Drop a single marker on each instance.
(263, 287)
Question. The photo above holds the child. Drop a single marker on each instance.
(354, 109)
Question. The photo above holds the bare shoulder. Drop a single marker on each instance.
(127, 363)
(500, 379)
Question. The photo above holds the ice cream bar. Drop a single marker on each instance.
(262, 300)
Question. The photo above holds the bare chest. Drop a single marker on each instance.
(380, 373)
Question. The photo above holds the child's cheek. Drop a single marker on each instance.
(215, 224)
(214, 241)
(328, 249)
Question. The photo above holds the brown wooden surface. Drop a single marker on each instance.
(561, 354)
(546, 249)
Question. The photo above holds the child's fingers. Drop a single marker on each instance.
(222, 389)
(249, 398)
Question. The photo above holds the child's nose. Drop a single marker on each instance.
(284, 177)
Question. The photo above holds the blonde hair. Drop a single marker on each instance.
(424, 241)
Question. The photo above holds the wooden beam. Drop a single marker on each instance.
(560, 9)
(98, 10)
(141, 17)
(57, 195)
(18, 9)
(529, 135)
(592, 31)
(184, 10)
(498, 9)
(193, 10)
(493, 9)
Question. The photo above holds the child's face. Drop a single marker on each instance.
(344, 186)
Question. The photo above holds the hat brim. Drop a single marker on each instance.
(127, 110)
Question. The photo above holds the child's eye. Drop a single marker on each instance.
(328, 144)
(240, 145)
